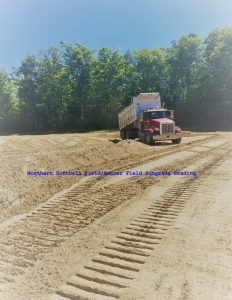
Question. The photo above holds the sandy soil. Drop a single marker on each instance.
(104, 150)
(124, 237)
(194, 259)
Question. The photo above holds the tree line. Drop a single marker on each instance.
(74, 87)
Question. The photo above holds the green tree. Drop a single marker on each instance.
(151, 66)
(54, 89)
(28, 89)
(131, 79)
(184, 59)
(217, 71)
(215, 85)
(8, 98)
(108, 81)
(78, 61)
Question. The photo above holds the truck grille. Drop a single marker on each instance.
(167, 128)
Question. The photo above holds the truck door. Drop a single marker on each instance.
(145, 121)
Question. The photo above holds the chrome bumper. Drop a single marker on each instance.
(166, 137)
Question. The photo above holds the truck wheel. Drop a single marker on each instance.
(127, 135)
(122, 134)
(149, 139)
(177, 141)
(134, 135)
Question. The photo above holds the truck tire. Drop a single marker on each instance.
(127, 135)
(133, 134)
(122, 134)
(177, 141)
(149, 139)
(130, 135)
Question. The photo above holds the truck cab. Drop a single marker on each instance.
(158, 125)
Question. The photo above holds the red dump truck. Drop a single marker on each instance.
(145, 119)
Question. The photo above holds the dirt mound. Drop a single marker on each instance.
(54, 152)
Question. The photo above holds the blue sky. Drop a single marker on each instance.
(27, 26)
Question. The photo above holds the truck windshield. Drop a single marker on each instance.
(157, 114)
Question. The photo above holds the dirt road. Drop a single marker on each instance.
(107, 237)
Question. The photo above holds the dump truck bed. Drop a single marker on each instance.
(142, 102)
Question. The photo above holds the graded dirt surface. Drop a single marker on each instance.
(63, 152)
(115, 237)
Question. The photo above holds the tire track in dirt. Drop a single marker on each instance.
(116, 265)
(20, 193)
(22, 243)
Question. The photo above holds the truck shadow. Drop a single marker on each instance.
(115, 141)
(156, 144)
(161, 144)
